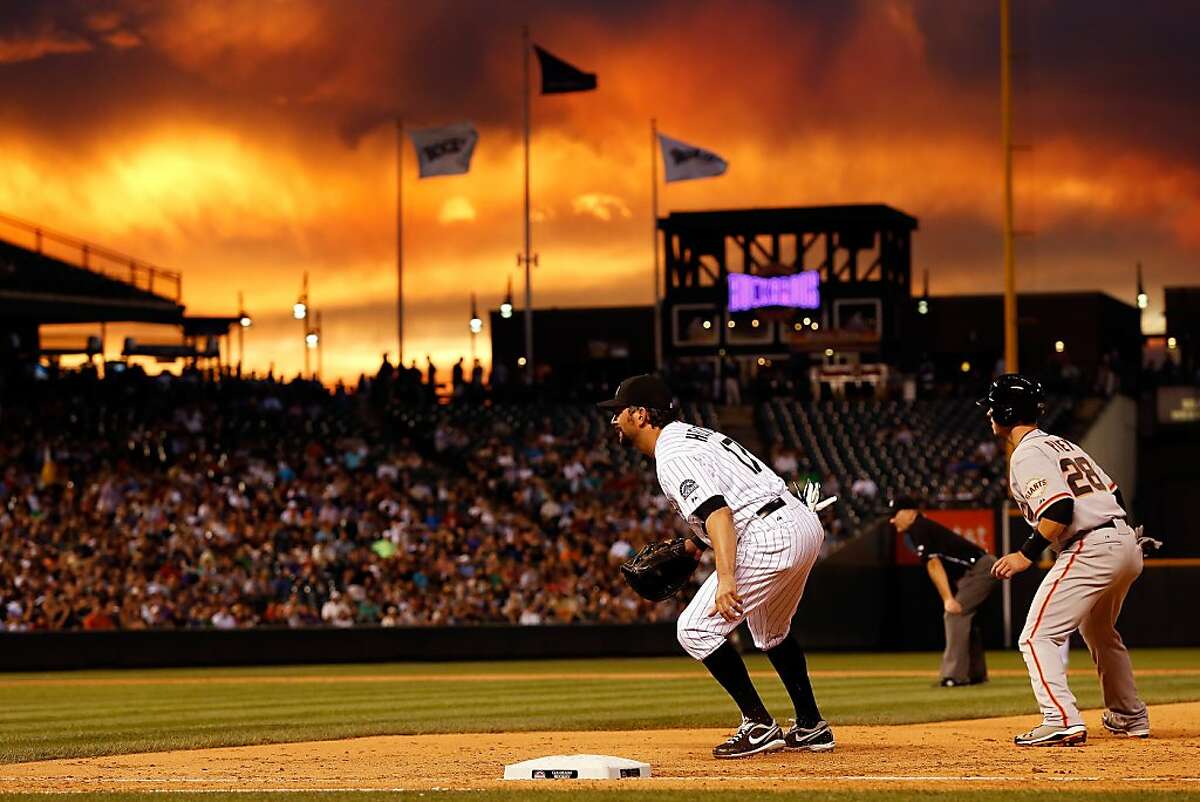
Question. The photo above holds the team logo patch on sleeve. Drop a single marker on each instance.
(687, 488)
(1036, 488)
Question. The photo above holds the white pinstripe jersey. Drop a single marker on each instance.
(695, 464)
(1045, 469)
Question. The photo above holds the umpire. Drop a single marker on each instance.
(962, 574)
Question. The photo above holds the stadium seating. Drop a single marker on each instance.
(143, 501)
(936, 450)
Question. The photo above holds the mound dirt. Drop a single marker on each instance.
(945, 755)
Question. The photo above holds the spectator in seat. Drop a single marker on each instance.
(336, 612)
(786, 464)
(864, 487)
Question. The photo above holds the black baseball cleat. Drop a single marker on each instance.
(817, 738)
(1053, 735)
(751, 738)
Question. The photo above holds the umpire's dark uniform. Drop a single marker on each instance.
(969, 569)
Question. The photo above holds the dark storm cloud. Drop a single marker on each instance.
(353, 71)
(29, 29)
(1106, 70)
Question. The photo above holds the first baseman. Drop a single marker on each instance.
(765, 542)
(1077, 510)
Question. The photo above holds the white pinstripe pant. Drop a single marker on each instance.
(774, 557)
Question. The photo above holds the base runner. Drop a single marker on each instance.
(1076, 510)
(765, 541)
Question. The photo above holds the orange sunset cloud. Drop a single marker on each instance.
(245, 144)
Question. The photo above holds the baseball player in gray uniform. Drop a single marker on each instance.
(765, 542)
(1076, 510)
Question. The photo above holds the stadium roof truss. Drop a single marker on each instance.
(59, 279)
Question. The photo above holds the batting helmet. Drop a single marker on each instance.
(1014, 399)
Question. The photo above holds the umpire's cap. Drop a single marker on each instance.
(1014, 399)
(904, 503)
(646, 390)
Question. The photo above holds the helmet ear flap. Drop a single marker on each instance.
(1003, 415)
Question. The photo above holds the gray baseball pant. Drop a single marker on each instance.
(1084, 590)
(964, 659)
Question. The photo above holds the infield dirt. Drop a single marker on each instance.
(945, 755)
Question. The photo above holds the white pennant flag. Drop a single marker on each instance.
(445, 151)
(683, 162)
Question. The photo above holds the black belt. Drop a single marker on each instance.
(1078, 536)
(770, 507)
(1109, 524)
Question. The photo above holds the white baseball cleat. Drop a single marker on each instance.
(1053, 735)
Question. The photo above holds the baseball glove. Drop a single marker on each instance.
(660, 569)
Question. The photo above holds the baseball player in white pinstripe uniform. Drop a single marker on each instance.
(765, 542)
(1076, 509)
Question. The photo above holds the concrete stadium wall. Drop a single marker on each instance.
(1112, 441)
(846, 607)
(30, 651)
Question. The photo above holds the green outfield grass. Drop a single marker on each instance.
(625, 794)
(40, 721)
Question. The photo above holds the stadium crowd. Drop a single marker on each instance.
(157, 502)
(160, 502)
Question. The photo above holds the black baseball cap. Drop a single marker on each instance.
(646, 390)
(904, 503)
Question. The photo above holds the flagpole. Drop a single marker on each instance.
(658, 346)
(527, 258)
(399, 242)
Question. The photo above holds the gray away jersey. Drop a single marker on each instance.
(696, 465)
(1045, 469)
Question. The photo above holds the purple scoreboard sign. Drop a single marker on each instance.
(798, 291)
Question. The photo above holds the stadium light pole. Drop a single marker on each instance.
(244, 322)
(300, 312)
(1143, 300)
(476, 326)
(506, 308)
(1010, 284)
(312, 342)
(320, 346)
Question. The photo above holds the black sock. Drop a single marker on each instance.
(727, 667)
(789, 662)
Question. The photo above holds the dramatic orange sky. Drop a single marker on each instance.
(243, 142)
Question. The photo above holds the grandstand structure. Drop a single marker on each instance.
(818, 302)
(858, 256)
(823, 289)
(47, 277)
